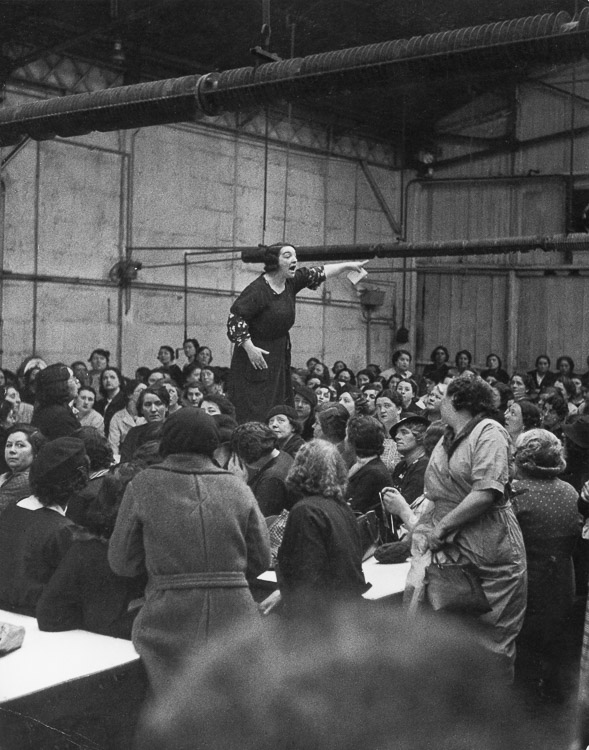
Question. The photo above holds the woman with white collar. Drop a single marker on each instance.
(35, 533)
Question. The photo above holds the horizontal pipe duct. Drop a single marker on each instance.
(489, 246)
(504, 45)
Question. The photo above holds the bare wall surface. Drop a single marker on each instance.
(74, 208)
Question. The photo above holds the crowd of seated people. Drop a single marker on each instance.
(73, 438)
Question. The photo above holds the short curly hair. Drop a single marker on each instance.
(272, 253)
(318, 469)
(253, 440)
(471, 393)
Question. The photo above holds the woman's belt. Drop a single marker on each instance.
(222, 579)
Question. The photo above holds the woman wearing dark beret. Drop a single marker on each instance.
(259, 323)
(198, 532)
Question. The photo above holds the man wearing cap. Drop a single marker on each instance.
(35, 533)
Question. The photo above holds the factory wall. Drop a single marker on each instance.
(73, 208)
(523, 172)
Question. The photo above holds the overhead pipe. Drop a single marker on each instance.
(549, 37)
(487, 246)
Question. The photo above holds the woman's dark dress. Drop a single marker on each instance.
(267, 317)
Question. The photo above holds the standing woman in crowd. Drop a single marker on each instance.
(259, 323)
(521, 386)
(472, 521)
(320, 558)
(198, 532)
(152, 405)
(388, 412)
(546, 509)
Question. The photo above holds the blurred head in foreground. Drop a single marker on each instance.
(353, 678)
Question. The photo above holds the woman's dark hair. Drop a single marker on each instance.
(194, 343)
(468, 356)
(142, 374)
(103, 353)
(5, 409)
(97, 447)
(531, 414)
(157, 390)
(345, 367)
(203, 349)
(34, 436)
(527, 380)
(88, 388)
(505, 394)
(542, 356)
(557, 403)
(324, 377)
(119, 375)
(168, 349)
(393, 396)
(439, 348)
(294, 423)
(369, 374)
(497, 357)
(566, 358)
(224, 404)
(472, 394)
(252, 440)
(366, 434)
(360, 399)
(271, 255)
(212, 370)
(412, 383)
(399, 353)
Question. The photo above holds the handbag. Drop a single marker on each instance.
(455, 588)
(370, 537)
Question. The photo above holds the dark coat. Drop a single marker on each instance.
(269, 486)
(32, 544)
(55, 420)
(108, 411)
(365, 485)
(85, 594)
(320, 555)
(198, 532)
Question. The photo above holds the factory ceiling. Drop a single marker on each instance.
(157, 39)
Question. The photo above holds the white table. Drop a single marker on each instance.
(74, 690)
(386, 580)
(47, 659)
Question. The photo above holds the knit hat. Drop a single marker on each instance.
(52, 384)
(56, 460)
(189, 431)
(539, 453)
(307, 393)
(288, 411)
(578, 431)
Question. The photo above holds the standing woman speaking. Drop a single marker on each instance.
(259, 323)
